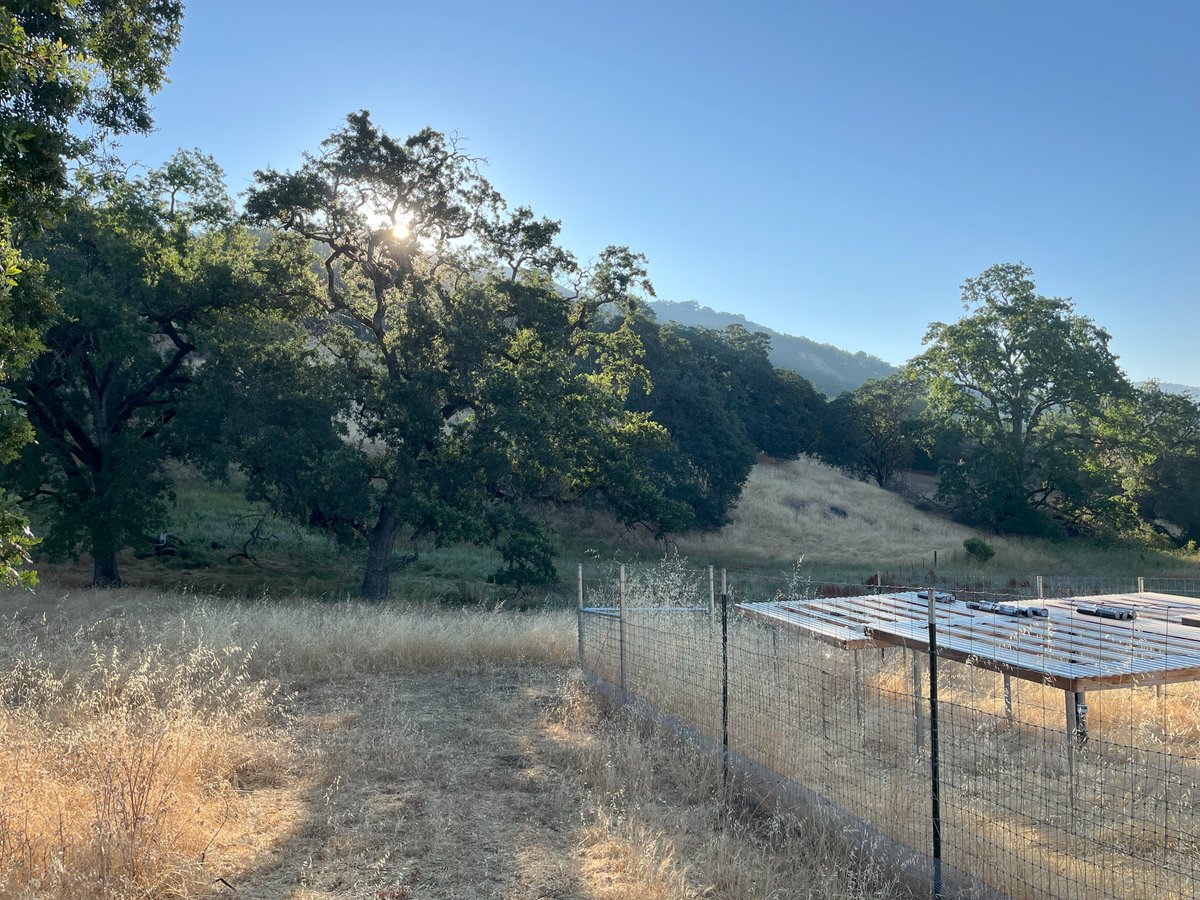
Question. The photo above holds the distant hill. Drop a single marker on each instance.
(831, 369)
(1169, 388)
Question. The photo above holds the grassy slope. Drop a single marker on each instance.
(842, 528)
(805, 508)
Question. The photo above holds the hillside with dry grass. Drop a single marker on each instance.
(804, 507)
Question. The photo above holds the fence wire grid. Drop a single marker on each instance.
(1038, 797)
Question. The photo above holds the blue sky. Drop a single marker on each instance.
(833, 170)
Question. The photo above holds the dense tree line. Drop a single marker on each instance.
(722, 403)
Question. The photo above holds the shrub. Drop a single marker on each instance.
(979, 549)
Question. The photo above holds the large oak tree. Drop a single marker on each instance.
(1017, 364)
(72, 72)
(143, 271)
(467, 364)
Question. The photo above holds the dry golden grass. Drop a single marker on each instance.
(807, 508)
(122, 771)
(135, 727)
(159, 745)
(657, 823)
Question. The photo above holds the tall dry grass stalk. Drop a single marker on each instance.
(121, 772)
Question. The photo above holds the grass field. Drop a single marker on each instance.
(843, 529)
(177, 745)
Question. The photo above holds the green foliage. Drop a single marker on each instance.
(873, 429)
(1018, 377)
(710, 454)
(979, 549)
(64, 65)
(141, 270)
(472, 377)
(1149, 448)
(722, 403)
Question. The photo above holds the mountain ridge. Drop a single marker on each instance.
(831, 369)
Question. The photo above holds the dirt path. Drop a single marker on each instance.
(424, 786)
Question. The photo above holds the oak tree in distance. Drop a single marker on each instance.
(1016, 363)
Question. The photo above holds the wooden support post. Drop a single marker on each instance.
(1141, 585)
(1070, 699)
(1041, 588)
(622, 629)
(724, 582)
(878, 583)
(824, 714)
(1008, 710)
(775, 657)
(579, 614)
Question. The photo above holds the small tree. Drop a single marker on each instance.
(883, 414)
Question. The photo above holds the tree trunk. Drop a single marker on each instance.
(104, 571)
(380, 543)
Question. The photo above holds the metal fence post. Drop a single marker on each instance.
(935, 776)
(712, 593)
(579, 615)
(724, 683)
(918, 713)
(621, 629)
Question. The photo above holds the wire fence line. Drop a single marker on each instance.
(1041, 792)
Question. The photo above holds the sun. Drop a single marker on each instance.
(400, 231)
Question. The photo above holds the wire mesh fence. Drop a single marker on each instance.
(1064, 765)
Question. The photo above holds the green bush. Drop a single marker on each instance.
(979, 549)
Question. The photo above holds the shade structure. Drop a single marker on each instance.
(1066, 648)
